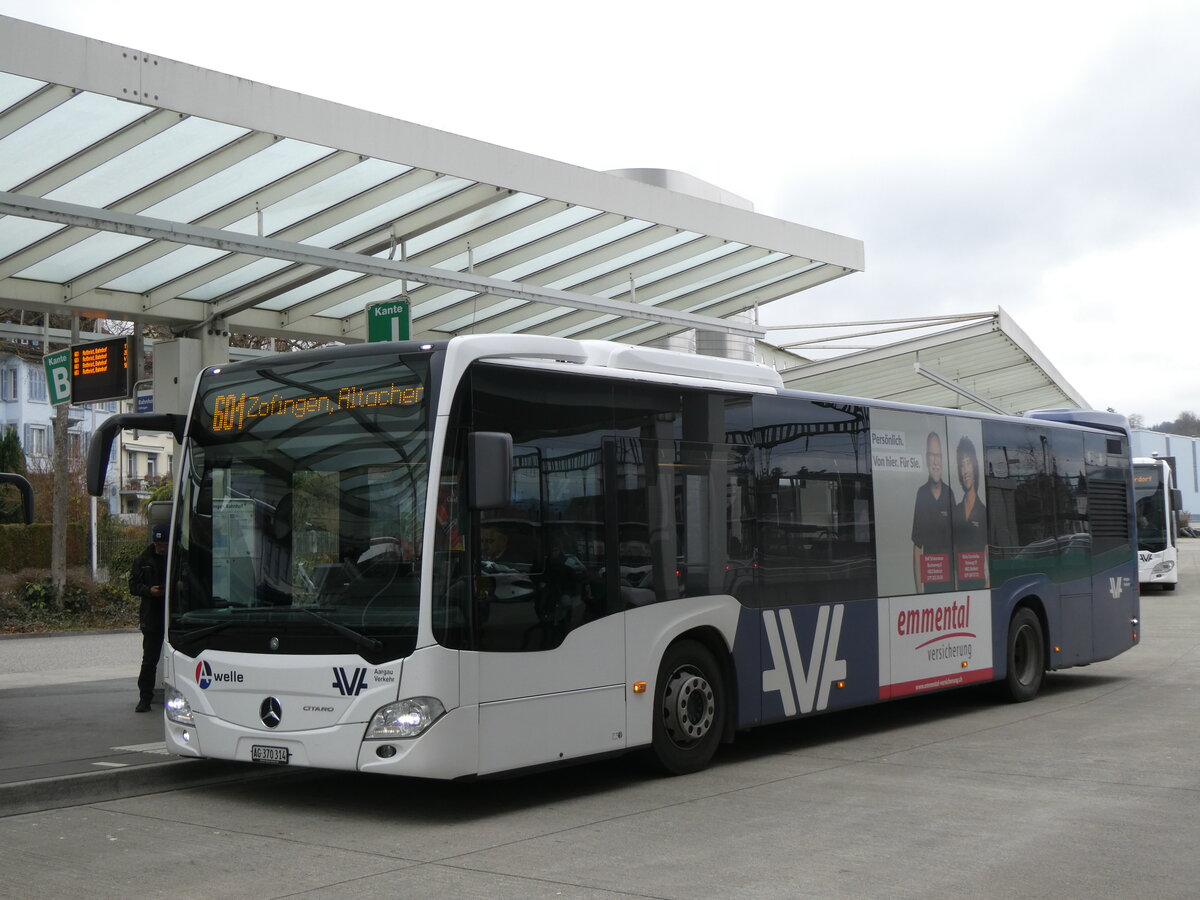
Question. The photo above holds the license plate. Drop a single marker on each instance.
(277, 756)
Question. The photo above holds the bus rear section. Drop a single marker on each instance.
(1158, 502)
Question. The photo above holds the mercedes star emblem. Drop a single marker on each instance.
(271, 712)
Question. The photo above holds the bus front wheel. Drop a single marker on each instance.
(689, 709)
(1026, 656)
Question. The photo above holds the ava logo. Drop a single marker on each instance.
(806, 686)
(204, 674)
(1116, 586)
(349, 685)
(1145, 556)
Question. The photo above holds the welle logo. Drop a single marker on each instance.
(799, 684)
(349, 685)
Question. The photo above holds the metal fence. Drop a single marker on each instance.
(117, 544)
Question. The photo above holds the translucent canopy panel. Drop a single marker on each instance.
(161, 192)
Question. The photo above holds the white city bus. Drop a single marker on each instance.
(496, 553)
(1158, 502)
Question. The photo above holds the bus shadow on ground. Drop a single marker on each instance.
(387, 799)
(813, 734)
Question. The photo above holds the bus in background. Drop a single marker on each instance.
(1158, 502)
(500, 552)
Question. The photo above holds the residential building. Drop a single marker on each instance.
(140, 461)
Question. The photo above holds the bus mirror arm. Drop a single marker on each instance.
(98, 452)
(490, 457)
(22, 485)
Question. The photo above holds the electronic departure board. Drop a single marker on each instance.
(100, 371)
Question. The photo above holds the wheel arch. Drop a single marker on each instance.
(1038, 596)
(712, 640)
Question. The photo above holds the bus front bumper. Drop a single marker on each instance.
(448, 749)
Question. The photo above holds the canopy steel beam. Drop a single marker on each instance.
(714, 303)
(925, 372)
(107, 148)
(36, 104)
(279, 190)
(775, 279)
(192, 174)
(305, 228)
(368, 243)
(622, 246)
(180, 233)
(530, 215)
(646, 290)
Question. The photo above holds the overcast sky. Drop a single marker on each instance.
(1043, 157)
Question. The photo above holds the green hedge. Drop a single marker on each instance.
(28, 546)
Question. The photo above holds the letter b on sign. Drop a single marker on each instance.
(58, 376)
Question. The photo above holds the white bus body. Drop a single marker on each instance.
(1157, 503)
(496, 553)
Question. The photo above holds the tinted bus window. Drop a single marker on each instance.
(815, 526)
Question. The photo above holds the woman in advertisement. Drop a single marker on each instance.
(970, 521)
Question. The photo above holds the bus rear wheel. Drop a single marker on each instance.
(689, 708)
(1026, 656)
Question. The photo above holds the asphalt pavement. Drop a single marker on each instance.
(69, 734)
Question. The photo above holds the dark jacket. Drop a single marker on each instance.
(149, 569)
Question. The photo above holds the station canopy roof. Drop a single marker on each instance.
(974, 361)
(140, 188)
(153, 190)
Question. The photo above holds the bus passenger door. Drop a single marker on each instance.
(552, 656)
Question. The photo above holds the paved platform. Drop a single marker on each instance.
(68, 732)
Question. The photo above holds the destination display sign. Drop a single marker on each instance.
(100, 371)
(235, 412)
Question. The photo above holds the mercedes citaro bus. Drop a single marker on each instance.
(1157, 504)
(500, 552)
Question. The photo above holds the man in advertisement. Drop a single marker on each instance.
(932, 529)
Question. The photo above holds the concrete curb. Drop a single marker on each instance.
(41, 794)
(16, 635)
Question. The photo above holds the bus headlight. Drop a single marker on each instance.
(1164, 567)
(177, 708)
(404, 719)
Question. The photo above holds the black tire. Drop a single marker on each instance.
(1026, 656)
(689, 709)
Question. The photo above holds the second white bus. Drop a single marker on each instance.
(1158, 502)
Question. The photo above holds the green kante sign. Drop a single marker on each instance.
(388, 321)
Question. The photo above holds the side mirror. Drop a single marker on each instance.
(98, 452)
(22, 485)
(489, 461)
(1176, 499)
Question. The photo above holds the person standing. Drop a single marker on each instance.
(146, 581)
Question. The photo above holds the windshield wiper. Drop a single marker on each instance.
(190, 637)
(360, 639)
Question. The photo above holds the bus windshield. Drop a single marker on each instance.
(1151, 508)
(302, 507)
